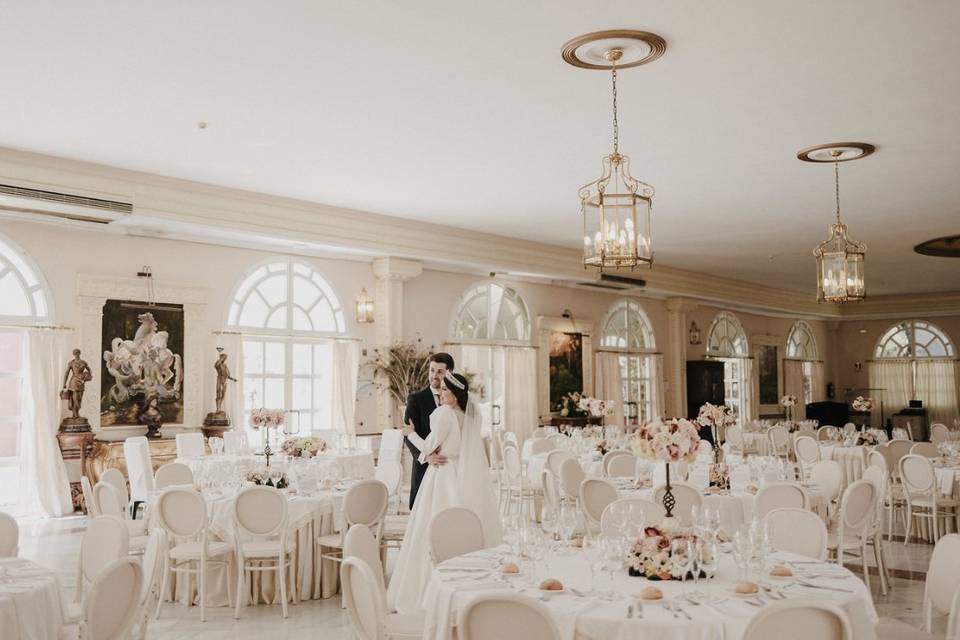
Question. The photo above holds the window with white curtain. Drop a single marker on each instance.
(491, 312)
(924, 357)
(23, 300)
(287, 314)
(627, 330)
(802, 345)
(727, 342)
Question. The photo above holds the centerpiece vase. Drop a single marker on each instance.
(669, 502)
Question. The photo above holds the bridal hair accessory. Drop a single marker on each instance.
(449, 379)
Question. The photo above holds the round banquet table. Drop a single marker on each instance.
(535, 464)
(357, 463)
(31, 605)
(853, 460)
(581, 616)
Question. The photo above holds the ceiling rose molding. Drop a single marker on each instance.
(220, 209)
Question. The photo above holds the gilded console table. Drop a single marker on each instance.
(109, 455)
(76, 445)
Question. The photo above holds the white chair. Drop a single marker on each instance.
(853, 529)
(87, 490)
(922, 494)
(105, 540)
(571, 477)
(360, 543)
(366, 603)
(516, 485)
(828, 475)
(733, 438)
(551, 491)
(797, 530)
(876, 459)
(622, 466)
(152, 564)
(540, 445)
(260, 515)
(174, 474)
(390, 473)
(879, 478)
(391, 446)
(610, 455)
(686, 495)
(136, 453)
(939, 433)
(611, 520)
(182, 514)
(925, 449)
(595, 495)
(9, 536)
(108, 502)
(780, 495)
(807, 452)
(115, 477)
(896, 450)
(190, 445)
(799, 619)
(558, 441)
(827, 432)
(234, 442)
(454, 532)
(506, 616)
(941, 595)
(111, 609)
(779, 440)
(849, 429)
(364, 503)
(540, 432)
(556, 457)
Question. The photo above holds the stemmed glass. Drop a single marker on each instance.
(709, 556)
(681, 553)
(742, 552)
(613, 558)
(593, 552)
(568, 522)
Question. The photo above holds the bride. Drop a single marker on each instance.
(464, 481)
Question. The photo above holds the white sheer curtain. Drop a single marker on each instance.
(44, 487)
(520, 383)
(748, 388)
(232, 344)
(656, 379)
(895, 378)
(609, 384)
(346, 372)
(937, 388)
(793, 386)
(817, 383)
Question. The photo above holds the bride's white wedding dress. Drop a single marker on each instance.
(438, 491)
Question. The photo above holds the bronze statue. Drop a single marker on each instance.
(75, 378)
(223, 374)
(151, 416)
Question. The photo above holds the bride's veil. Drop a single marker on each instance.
(476, 488)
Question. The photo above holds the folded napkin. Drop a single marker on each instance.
(465, 563)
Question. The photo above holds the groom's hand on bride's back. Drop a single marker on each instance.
(407, 430)
(437, 459)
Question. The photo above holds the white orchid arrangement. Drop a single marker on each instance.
(266, 418)
(672, 441)
(788, 401)
(712, 415)
(862, 404)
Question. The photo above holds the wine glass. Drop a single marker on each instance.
(568, 522)
(593, 552)
(742, 551)
(681, 553)
(548, 520)
(613, 558)
(709, 556)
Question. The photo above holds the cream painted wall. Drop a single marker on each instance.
(63, 253)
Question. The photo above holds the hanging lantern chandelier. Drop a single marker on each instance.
(615, 207)
(840, 259)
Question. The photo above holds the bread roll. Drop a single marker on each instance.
(651, 593)
(747, 588)
(510, 568)
(781, 571)
(551, 584)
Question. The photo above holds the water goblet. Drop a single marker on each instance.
(613, 559)
(681, 554)
(742, 552)
(593, 552)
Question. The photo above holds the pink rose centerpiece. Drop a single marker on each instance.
(672, 441)
(716, 417)
(788, 402)
(862, 404)
(267, 419)
(303, 447)
(650, 555)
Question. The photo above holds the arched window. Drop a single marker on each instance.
(287, 313)
(914, 339)
(627, 331)
(726, 338)
(801, 343)
(491, 312)
(23, 298)
(727, 342)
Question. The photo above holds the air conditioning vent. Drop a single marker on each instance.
(24, 200)
(611, 282)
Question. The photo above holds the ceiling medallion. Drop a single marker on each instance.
(945, 247)
(616, 206)
(840, 275)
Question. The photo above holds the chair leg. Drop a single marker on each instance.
(241, 595)
(936, 523)
(282, 579)
(163, 586)
(200, 585)
(908, 523)
(863, 561)
(881, 565)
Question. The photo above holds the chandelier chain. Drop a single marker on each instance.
(616, 125)
(836, 180)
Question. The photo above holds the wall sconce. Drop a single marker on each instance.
(364, 307)
(857, 366)
(694, 333)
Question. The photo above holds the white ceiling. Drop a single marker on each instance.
(463, 113)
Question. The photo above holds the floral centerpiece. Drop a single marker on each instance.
(716, 417)
(668, 442)
(603, 447)
(576, 405)
(788, 402)
(266, 418)
(868, 438)
(650, 555)
(862, 404)
(261, 478)
(303, 447)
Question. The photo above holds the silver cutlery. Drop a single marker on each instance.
(640, 610)
(677, 607)
(629, 612)
(820, 586)
(669, 607)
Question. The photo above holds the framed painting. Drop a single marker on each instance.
(565, 360)
(566, 366)
(767, 351)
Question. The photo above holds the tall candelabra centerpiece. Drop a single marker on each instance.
(716, 417)
(264, 420)
(667, 442)
(788, 402)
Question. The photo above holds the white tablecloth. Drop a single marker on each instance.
(853, 460)
(357, 464)
(583, 618)
(591, 466)
(31, 604)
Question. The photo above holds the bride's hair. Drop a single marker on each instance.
(457, 384)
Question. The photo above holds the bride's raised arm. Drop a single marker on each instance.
(442, 423)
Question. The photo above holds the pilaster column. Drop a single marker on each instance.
(676, 356)
(391, 273)
(91, 328)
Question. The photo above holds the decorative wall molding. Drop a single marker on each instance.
(213, 211)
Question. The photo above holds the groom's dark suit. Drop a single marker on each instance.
(419, 407)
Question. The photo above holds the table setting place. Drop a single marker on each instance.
(687, 582)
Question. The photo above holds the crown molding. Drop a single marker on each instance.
(305, 227)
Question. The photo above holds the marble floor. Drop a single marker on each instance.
(56, 543)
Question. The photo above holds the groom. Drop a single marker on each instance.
(419, 407)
